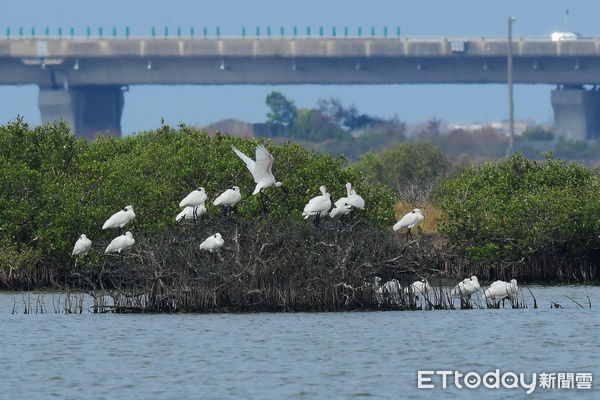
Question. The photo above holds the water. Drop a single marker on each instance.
(293, 356)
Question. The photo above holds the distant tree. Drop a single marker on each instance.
(537, 133)
(354, 120)
(403, 163)
(283, 111)
(313, 125)
(347, 117)
(334, 109)
(331, 127)
(433, 127)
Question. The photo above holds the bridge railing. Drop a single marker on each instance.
(200, 32)
(255, 32)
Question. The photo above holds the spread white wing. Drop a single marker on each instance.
(264, 162)
(247, 160)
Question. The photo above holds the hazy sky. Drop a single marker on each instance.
(146, 105)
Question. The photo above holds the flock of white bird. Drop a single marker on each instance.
(498, 290)
(261, 169)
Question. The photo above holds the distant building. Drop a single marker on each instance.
(501, 126)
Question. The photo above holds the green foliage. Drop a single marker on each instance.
(53, 187)
(518, 208)
(587, 151)
(486, 252)
(403, 163)
(313, 125)
(346, 116)
(15, 258)
(283, 110)
(34, 165)
(537, 133)
(331, 128)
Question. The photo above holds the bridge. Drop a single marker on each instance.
(82, 80)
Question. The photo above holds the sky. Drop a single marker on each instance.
(200, 105)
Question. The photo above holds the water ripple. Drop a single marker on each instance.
(290, 356)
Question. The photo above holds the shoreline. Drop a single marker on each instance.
(75, 302)
(260, 256)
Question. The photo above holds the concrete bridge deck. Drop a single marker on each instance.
(81, 79)
(294, 61)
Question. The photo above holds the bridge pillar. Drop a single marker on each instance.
(576, 113)
(88, 110)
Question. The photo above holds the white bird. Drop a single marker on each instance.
(410, 220)
(377, 289)
(212, 243)
(392, 291)
(344, 205)
(340, 207)
(120, 219)
(376, 282)
(466, 288)
(354, 199)
(120, 243)
(318, 205)
(82, 246)
(229, 198)
(501, 290)
(195, 198)
(191, 213)
(261, 169)
(419, 287)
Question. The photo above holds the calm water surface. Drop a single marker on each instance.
(293, 356)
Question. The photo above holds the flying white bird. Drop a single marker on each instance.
(195, 198)
(120, 219)
(466, 288)
(191, 213)
(502, 290)
(82, 246)
(261, 168)
(120, 243)
(344, 205)
(212, 243)
(229, 198)
(410, 220)
(318, 205)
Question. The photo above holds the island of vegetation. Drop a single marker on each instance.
(536, 221)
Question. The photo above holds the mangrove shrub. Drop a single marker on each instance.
(53, 187)
(518, 209)
(405, 162)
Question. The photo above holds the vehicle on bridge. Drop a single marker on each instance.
(562, 36)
